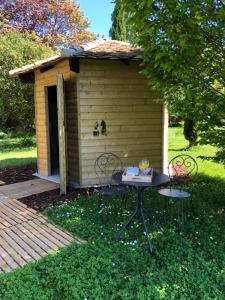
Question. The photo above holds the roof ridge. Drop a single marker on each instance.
(101, 41)
(109, 51)
(121, 42)
(93, 44)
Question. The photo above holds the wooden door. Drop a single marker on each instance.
(62, 134)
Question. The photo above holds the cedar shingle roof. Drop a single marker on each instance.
(112, 50)
(99, 49)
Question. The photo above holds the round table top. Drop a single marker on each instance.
(157, 180)
(174, 193)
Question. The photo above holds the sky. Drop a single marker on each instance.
(98, 12)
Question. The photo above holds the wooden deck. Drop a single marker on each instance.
(27, 188)
(25, 235)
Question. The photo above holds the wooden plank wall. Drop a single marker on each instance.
(43, 80)
(116, 93)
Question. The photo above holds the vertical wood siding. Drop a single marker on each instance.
(116, 93)
(43, 80)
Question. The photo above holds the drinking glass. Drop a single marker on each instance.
(143, 165)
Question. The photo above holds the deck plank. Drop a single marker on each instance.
(5, 220)
(25, 235)
(20, 212)
(6, 258)
(42, 229)
(60, 236)
(21, 232)
(17, 218)
(7, 238)
(11, 251)
(35, 237)
(23, 242)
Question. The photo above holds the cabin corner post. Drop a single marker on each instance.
(79, 130)
(62, 134)
(165, 126)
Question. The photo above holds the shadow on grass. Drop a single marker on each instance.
(17, 144)
(181, 149)
(204, 177)
(15, 147)
(16, 162)
(183, 265)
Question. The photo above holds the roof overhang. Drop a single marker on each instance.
(99, 49)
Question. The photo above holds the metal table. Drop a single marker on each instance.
(157, 180)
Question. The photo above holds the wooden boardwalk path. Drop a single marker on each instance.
(27, 188)
(25, 235)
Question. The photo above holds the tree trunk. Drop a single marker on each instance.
(190, 132)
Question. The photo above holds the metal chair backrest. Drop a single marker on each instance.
(182, 168)
(105, 166)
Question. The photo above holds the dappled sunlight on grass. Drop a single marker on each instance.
(177, 144)
(184, 263)
(18, 158)
(17, 151)
(187, 264)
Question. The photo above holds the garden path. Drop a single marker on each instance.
(25, 235)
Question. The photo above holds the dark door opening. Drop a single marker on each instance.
(53, 129)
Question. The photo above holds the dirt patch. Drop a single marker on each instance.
(43, 200)
(18, 174)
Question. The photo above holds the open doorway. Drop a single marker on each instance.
(53, 130)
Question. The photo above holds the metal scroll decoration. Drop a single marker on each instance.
(106, 165)
(182, 168)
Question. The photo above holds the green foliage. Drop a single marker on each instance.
(118, 30)
(18, 157)
(57, 23)
(3, 135)
(184, 56)
(178, 145)
(11, 141)
(16, 98)
(17, 150)
(184, 266)
(122, 28)
(27, 141)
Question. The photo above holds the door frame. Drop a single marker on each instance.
(61, 115)
(49, 154)
(48, 130)
(62, 134)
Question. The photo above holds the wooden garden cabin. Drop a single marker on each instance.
(90, 100)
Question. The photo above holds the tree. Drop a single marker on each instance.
(16, 98)
(122, 29)
(56, 22)
(118, 30)
(184, 55)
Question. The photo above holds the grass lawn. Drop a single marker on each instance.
(208, 168)
(187, 265)
(17, 152)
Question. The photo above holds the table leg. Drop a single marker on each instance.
(153, 218)
(130, 221)
(146, 230)
(139, 208)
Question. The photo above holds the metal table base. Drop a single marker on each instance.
(157, 180)
(139, 210)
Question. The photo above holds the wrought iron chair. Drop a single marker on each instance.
(181, 169)
(105, 166)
